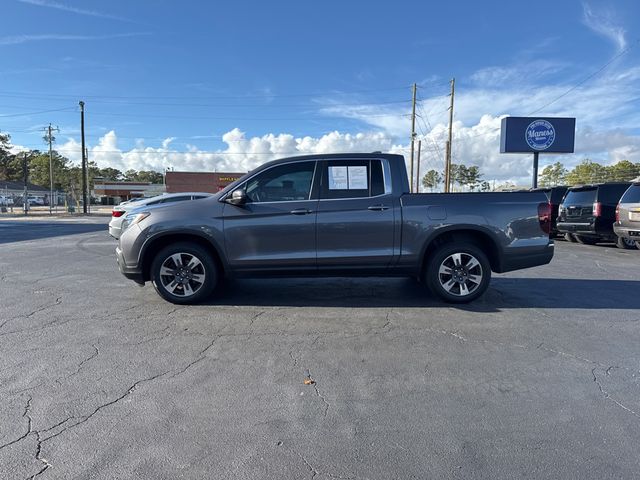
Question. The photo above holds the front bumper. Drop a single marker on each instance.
(115, 231)
(132, 272)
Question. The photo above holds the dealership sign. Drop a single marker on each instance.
(537, 135)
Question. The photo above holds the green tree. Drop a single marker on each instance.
(39, 169)
(112, 174)
(586, 172)
(466, 176)
(431, 180)
(471, 177)
(10, 165)
(149, 176)
(131, 176)
(553, 175)
(623, 171)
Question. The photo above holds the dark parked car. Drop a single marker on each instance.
(588, 212)
(555, 196)
(335, 215)
(627, 226)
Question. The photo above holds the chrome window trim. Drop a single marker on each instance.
(243, 185)
(386, 175)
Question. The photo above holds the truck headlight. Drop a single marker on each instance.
(133, 218)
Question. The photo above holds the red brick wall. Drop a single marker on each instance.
(199, 181)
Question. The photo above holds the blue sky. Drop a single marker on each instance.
(228, 85)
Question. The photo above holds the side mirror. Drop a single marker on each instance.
(238, 197)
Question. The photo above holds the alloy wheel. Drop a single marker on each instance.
(460, 274)
(182, 274)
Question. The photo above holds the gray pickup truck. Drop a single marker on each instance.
(335, 215)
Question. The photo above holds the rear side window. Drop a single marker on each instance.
(580, 197)
(352, 179)
(611, 193)
(632, 195)
(557, 194)
(176, 199)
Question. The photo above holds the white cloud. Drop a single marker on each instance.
(72, 9)
(602, 23)
(605, 108)
(17, 39)
(241, 154)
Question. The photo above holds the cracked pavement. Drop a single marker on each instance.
(101, 379)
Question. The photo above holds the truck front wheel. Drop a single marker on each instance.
(458, 272)
(184, 273)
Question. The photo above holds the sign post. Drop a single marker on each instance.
(537, 135)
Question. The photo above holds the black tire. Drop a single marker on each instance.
(626, 243)
(450, 284)
(569, 237)
(586, 240)
(638, 245)
(186, 273)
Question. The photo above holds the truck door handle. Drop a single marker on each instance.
(301, 211)
(378, 208)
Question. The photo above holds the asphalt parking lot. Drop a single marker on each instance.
(101, 379)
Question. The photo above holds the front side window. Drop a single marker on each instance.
(284, 183)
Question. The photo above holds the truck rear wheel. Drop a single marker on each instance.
(569, 237)
(184, 273)
(458, 272)
(586, 240)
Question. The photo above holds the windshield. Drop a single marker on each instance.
(632, 195)
(580, 197)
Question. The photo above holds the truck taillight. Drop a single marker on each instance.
(117, 213)
(618, 213)
(544, 217)
(597, 209)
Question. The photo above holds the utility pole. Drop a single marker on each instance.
(86, 156)
(84, 165)
(447, 168)
(418, 167)
(413, 133)
(25, 176)
(50, 138)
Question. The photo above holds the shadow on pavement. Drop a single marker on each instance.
(20, 231)
(503, 293)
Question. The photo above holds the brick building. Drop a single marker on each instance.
(211, 182)
(111, 192)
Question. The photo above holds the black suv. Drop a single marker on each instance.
(555, 196)
(588, 212)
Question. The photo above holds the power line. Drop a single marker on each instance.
(36, 113)
(143, 115)
(588, 77)
(199, 97)
(229, 105)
